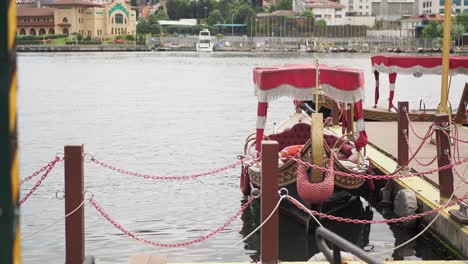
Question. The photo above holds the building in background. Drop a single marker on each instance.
(393, 10)
(357, 7)
(89, 19)
(35, 21)
(413, 26)
(331, 12)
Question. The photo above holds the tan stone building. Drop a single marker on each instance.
(78, 16)
(35, 21)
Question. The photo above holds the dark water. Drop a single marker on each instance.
(169, 114)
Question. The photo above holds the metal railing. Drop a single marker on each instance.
(323, 235)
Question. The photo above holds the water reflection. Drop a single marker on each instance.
(296, 243)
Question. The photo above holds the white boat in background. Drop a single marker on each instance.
(204, 41)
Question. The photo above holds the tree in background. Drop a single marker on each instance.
(285, 5)
(307, 13)
(177, 9)
(243, 14)
(200, 7)
(215, 17)
(133, 2)
(149, 26)
(224, 7)
(161, 15)
(432, 30)
(320, 23)
(462, 19)
(457, 31)
(272, 8)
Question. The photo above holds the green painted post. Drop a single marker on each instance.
(9, 214)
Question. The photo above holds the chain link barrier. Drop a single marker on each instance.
(411, 125)
(161, 177)
(393, 175)
(51, 163)
(49, 168)
(381, 177)
(117, 225)
(414, 155)
(300, 206)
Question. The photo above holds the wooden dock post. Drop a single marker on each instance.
(74, 188)
(403, 145)
(443, 154)
(460, 117)
(336, 114)
(269, 199)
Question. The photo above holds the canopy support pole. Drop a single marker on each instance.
(392, 78)
(443, 108)
(376, 93)
(316, 145)
(261, 121)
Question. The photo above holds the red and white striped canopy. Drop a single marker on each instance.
(297, 81)
(418, 64)
(414, 65)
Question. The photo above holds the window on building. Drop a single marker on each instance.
(51, 31)
(22, 31)
(65, 20)
(112, 31)
(65, 31)
(42, 32)
(465, 2)
(457, 2)
(125, 20)
(32, 31)
(119, 19)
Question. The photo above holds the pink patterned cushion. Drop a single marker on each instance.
(297, 135)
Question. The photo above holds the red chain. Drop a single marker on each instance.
(411, 126)
(172, 245)
(414, 155)
(384, 221)
(381, 177)
(157, 177)
(51, 165)
(454, 138)
(37, 172)
(463, 179)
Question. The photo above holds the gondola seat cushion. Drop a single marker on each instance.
(299, 134)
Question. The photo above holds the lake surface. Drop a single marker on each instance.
(171, 114)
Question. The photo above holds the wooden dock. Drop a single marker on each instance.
(384, 135)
